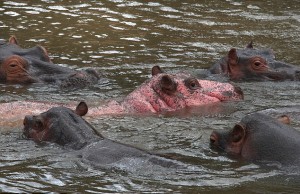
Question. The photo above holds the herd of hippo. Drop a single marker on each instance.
(256, 138)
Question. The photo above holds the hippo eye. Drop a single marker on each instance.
(192, 83)
(13, 65)
(259, 64)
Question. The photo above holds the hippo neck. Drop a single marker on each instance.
(80, 143)
(220, 67)
(79, 137)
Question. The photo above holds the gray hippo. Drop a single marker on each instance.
(67, 128)
(25, 66)
(254, 64)
(260, 138)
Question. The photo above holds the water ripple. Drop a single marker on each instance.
(123, 40)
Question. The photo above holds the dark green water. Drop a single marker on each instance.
(124, 39)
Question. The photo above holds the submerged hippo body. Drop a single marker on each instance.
(291, 114)
(25, 66)
(261, 138)
(162, 93)
(254, 64)
(67, 128)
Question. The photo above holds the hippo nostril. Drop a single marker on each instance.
(239, 91)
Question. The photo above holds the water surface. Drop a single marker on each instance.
(124, 39)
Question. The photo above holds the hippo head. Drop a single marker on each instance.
(15, 62)
(259, 137)
(61, 125)
(23, 66)
(254, 64)
(170, 92)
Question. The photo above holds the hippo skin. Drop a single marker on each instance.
(162, 93)
(260, 138)
(251, 64)
(287, 114)
(25, 66)
(170, 92)
(67, 128)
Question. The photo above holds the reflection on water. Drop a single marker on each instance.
(124, 39)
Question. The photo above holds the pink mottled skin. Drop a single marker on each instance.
(162, 93)
(170, 92)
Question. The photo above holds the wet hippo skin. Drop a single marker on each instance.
(170, 92)
(67, 128)
(162, 93)
(33, 65)
(261, 138)
(254, 64)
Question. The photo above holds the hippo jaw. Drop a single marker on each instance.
(277, 76)
(222, 91)
(280, 71)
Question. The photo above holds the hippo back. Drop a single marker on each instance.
(109, 154)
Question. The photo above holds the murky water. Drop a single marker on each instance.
(124, 39)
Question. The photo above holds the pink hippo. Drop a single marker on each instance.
(162, 93)
(170, 92)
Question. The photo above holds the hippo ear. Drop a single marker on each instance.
(232, 57)
(156, 70)
(238, 133)
(13, 40)
(284, 119)
(250, 45)
(81, 109)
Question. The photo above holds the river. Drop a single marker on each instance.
(124, 40)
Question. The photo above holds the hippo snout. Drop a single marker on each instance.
(235, 93)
